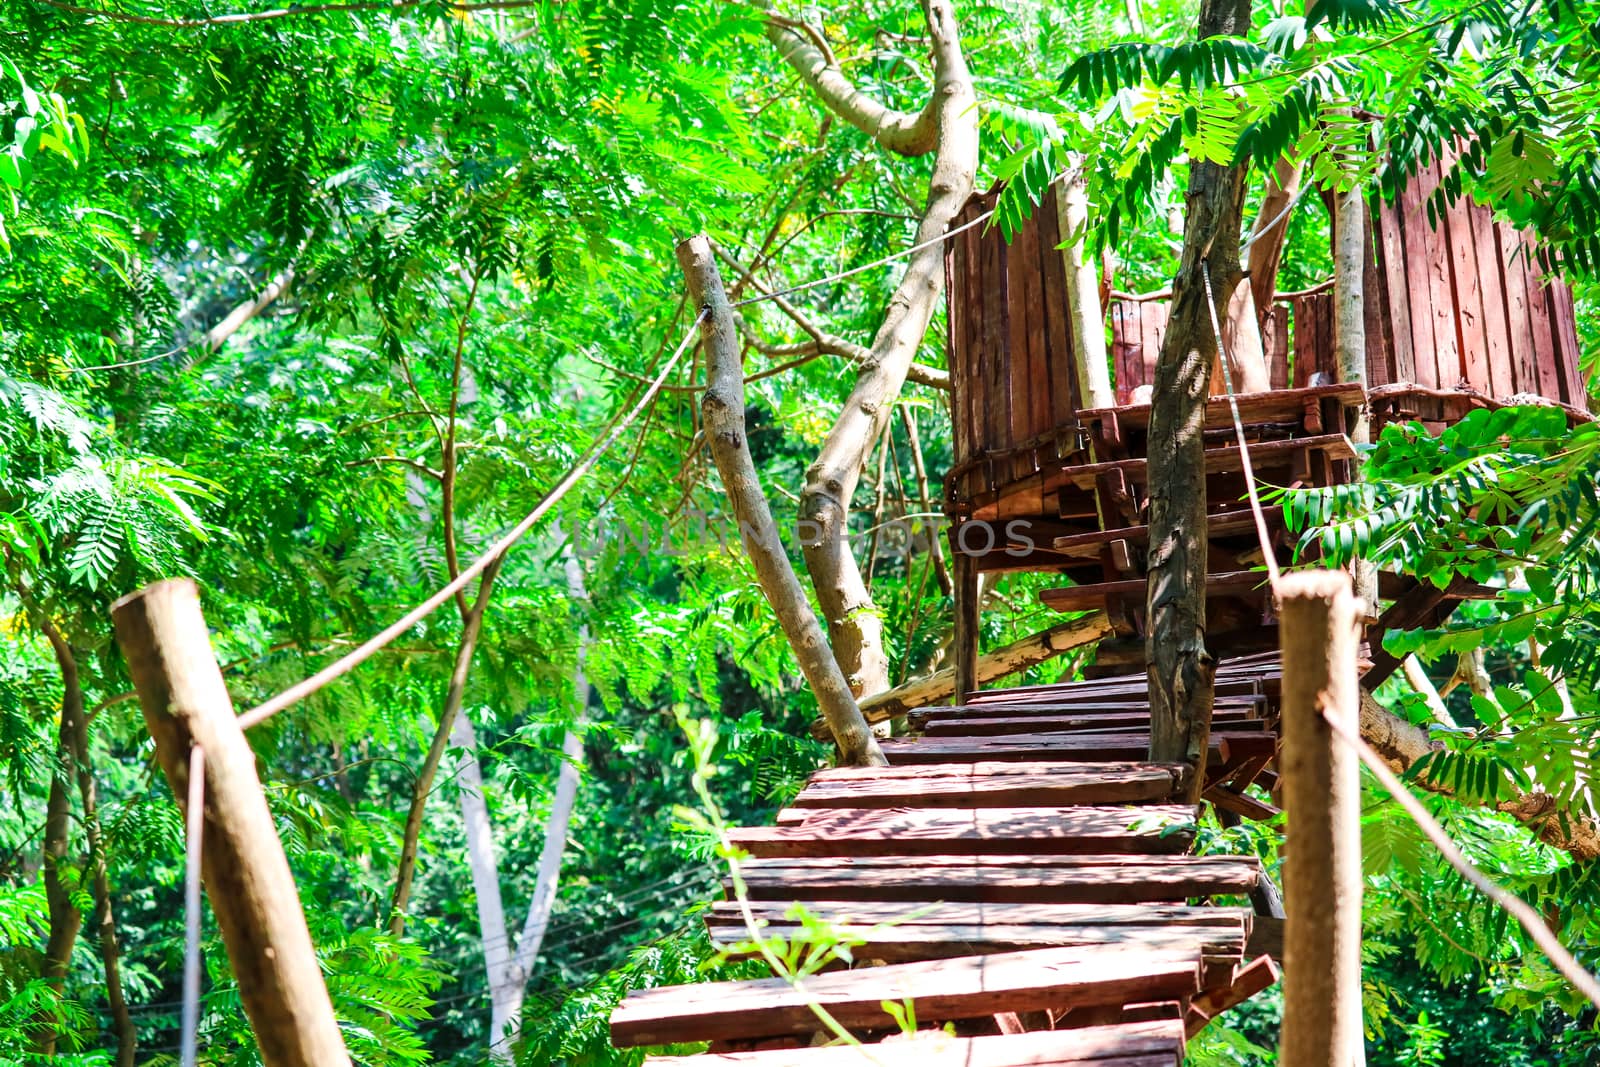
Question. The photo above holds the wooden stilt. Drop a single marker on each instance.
(967, 631)
(1321, 786)
(163, 635)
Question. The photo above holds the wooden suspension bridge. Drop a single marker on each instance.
(1020, 872)
(1021, 875)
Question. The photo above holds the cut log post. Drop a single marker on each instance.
(1086, 316)
(1350, 343)
(1321, 785)
(968, 623)
(163, 635)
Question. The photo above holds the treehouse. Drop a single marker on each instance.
(1457, 316)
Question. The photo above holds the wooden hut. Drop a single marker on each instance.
(1458, 316)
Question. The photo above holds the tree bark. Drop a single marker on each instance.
(65, 918)
(1402, 744)
(1321, 776)
(854, 624)
(1086, 318)
(722, 411)
(163, 636)
(411, 839)
(941, 568)
(1181, 670)
(1350, 340)
(1270, 234)
(805, 50)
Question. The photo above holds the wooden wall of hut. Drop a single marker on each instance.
(1459, 309)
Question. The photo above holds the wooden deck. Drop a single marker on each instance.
(1020, 872)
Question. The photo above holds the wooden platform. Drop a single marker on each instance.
(1018, 866)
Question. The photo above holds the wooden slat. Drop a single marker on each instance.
(1565, 329)
(1058, 330)
(977, 913)
(1034, 830)
(1056, 786)
(1467, 285)
(1514, 269)
(963, 988)
(1088, 879)
(1085, 709)
(1250, 980)
(1541, 317)
(1335, 446)
(1277, 406)
(994, 726)
(1435, 246)
(1397, 294)
(903, 943)
(1218, 524)
(1074, 747)
(1124, 1045)
(1084, 597)
(1017, 357)
(1496, 315)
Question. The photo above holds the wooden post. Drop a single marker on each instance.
(253, 895)
(1350, 343)
(968, 632)
(1320, 626)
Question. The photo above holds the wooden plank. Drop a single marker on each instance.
(996, 343)
(1541, 316)
(994, 726)
(905, 943)
(1036, 384)
(845, 776)
(956, 343)
(1089, 879)
(1017, 357)
(1375, 313)
(1247, 982)
(1226, 746)
(1059, 356)
(964, 988)
(1496, 314)
(1435, 245)
(1514, 271)
(1218, 524)
(1396, 293)
(1081, 597)
(1158, 1042)
(1033, 830)
(1125, 342)
(1275, 343)
(1335, 446)
(1466, 283)
(1057, 786)
(1089, 707)
(969, 913)
(1565, 328)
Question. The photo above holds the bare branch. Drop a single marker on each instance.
(404, 461)
(902, 132)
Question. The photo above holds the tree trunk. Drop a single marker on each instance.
(1086, 318)
(1269, 235)
(854, 624)
(1181, 670)
(722, 410)
(471, 626)
(1350, 340)
(65, 918)
(561, 804)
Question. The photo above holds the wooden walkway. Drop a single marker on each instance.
(1018, 871)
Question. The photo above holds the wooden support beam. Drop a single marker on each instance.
(163, 635)
(1322, 879)
(1019, 655)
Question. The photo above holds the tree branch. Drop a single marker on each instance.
(901, 132)
(1401, 744)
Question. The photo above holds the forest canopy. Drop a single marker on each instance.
(311, 304)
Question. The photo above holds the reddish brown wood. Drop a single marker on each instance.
(1519, 325)
(1260, 974)
(1035, 831)
(1467, 288)
(1095, 879)
(1497, 333)
(1052, 787)
(1396, 294)
(943, 989)
(1085, 597)
(994, 726)
(1053, 270)
(1138, 1044)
